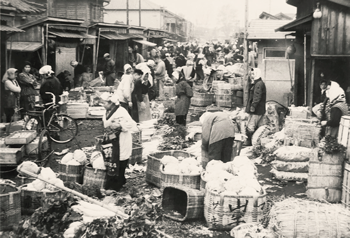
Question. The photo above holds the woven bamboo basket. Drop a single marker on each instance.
(136, 155)
(346, 187)
(153, 174)
(186, 202)
(223, 212)
(20, 180)
(10, 200)
(344, 134)
(71, 173)
(189, 181)
(325, 177)
(223, 100)
(304, 132)
(94, 177)
(202, 99)
(31, 200)
(303, 218)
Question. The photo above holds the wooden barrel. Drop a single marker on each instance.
(344, 134)
(71, 173)
(10, 200)
(94, 177)
(202, 99)
(223, 100)
(346, 187)
(325, 177)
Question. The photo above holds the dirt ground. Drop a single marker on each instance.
(89, 129)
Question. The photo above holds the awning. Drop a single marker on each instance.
(78, 35)
(9, 29)
(166, 39)
(136, 36)
(157, 36)
(24, 46)
(110, 35)
(294, 25)
(144, 42)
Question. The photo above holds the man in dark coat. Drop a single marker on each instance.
(109, 70)
(64, 79)
(256, 102)
(78, 71)
(168, 65)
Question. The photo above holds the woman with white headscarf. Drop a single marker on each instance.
(256, 102)
(189, 72)
(11, 93)
(125, 88)
(146, 84)
(118, 125)
(334, 108)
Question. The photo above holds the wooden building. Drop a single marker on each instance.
(277, 69)
(322, 46)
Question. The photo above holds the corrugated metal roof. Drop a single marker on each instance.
(133, 4)
(9, 29)
(23, 5)
(110, 35)
(78, 35)
(24, 46)
(265, 29)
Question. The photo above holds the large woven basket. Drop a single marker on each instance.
(202, 99)
(71, 173)
(223, 212)
(136, 155)
(189, 181)
(94, 177)
(303, 218)
(31, 200)
(186, 202)
(10, 200)
(20, 180)
(153, 174)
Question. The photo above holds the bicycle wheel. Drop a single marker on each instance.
(62, 129)
(33, 123)
(44, 148)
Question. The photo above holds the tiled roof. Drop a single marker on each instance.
(9, 29)
(265, 29)
(133, 4)
(23, 5)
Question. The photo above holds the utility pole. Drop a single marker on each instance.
(246, 44)
(139, 12)
(127, 12)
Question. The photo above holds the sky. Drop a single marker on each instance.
(206, 12)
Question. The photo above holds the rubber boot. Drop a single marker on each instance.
(248, 142)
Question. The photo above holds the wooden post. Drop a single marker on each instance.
(10, 56)
(43, 51)
(305, 80)
(127, 12)
(246, 86)
(312, 81)
(98, 46)
(139, 12)
(46, 43)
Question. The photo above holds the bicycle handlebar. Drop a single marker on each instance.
(53, 98)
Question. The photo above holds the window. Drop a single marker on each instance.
(273, 53)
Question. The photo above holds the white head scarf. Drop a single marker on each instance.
(335, 93)
(257, 73)
(47, 69)
(126, 67)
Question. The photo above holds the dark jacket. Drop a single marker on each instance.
(180, 61)
(64, 80)
(168, 67)
(27, 88)
(52, 85)
(184, 93)
(257, 98)
(109, 68)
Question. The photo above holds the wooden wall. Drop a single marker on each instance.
(31, 34)
(331, 33)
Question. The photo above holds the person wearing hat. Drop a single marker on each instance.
(64, 78)
(180, 60)
(168, 64)
(51, 84)
(256, 103)
(11, 93)
(118, 126)
(149, 68)
(78, 71)
(27, 82)
(218, 135)
(109, 70)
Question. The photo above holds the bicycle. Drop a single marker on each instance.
(59, 128)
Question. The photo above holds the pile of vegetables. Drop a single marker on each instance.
(76, 158)
(173, 134)
(237, 177)
(38, 185)
(330, 145)
(189, 166)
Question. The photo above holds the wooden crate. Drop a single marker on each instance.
(11, 156)
(20, 137)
